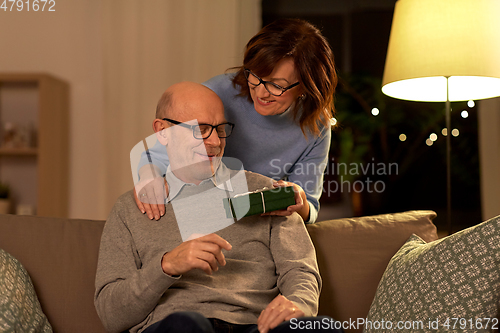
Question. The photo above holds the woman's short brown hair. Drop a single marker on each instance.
(313, 60)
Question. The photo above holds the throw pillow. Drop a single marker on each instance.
(452, 284)
(20, 310)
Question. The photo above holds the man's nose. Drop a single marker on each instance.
(213, 140)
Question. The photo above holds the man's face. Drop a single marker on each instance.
(193, 160)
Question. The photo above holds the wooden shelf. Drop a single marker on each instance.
(18, 151)
(38, 177)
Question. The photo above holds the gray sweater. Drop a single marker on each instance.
(269, 256)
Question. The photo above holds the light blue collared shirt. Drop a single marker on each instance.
(221, 179)
(199, 209)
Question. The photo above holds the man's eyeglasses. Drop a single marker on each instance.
(203, 131)
(273, 88)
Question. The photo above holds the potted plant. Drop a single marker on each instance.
(389, 147)
(4, 198)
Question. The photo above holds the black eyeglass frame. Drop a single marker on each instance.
(248, 72)
(193, 127)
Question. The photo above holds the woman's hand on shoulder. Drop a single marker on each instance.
(150, 195)
(301, 206)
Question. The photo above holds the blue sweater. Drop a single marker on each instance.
(273, 146)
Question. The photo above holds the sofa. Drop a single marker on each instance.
(60, 256)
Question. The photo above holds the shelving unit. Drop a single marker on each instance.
(28, 151)
(37, 176)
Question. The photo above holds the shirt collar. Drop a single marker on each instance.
(221, 179)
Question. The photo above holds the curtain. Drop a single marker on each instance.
(150, 45)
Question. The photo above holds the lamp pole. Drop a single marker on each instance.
(448, 156)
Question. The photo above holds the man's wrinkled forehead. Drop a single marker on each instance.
(205, 109)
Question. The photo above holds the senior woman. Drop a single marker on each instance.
(281, 102)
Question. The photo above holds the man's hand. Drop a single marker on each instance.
(204, 253)
(150, 195)
(276, 312)
(301, 206)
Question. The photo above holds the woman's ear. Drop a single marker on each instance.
(161, 131)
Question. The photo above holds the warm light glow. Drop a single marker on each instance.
(429, 142)
(402, 137)
(429, 88)
(471, 103)
(444, 131)
(375, 111)
(433, 137)
(464, 114)
(434, 39)
(433, 89)
(455, 132)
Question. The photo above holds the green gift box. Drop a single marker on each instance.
(258, 202)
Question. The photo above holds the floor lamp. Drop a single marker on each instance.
(444, 51)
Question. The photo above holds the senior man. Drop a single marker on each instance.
(252, 275)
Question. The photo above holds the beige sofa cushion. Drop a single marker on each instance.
(353, 254)
(61, 257)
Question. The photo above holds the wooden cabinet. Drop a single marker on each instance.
(35, 163)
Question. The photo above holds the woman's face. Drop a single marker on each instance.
(284, 75)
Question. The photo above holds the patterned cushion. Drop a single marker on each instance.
(20, 310)
(452, 284)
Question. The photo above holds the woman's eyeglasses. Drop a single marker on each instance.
(273, 88)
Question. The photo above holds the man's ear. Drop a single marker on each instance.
(161, 131)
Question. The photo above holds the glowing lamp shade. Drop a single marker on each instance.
(432, 40)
